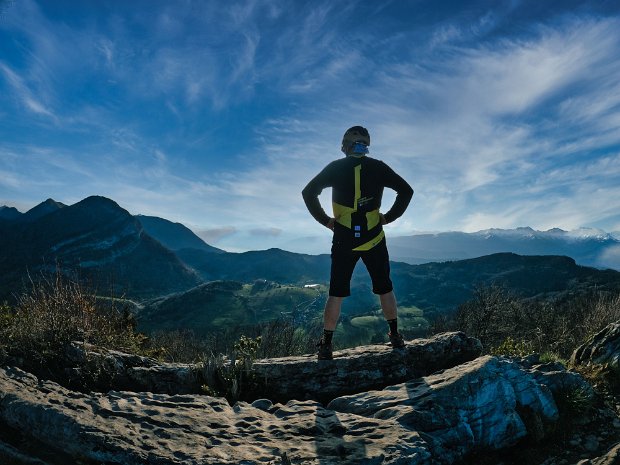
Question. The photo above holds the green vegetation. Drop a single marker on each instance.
(219, 305)
(232, 379)
(512, 348)
(372, 328)
(573, 403)
(279, 338)
(38, 333)
(505, 323)
(550, 357)
(267, 319)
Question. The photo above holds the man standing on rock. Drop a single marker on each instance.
(357, 183)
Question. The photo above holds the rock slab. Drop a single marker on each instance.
(602, 349)
(283, 379)
(159, 429)
(362, 368)
(488, 403)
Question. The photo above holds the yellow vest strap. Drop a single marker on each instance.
(371, 243)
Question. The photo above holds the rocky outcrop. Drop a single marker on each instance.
(488, 403)
(120, 371)
(302, 378)
(362, 368)
(138, 428)
(555, 376)
(602, 349)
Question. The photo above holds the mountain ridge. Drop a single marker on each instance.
(97, 237)
(94, 239)
(588, 246)
(175, 236)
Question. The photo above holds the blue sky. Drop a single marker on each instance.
(217, 113)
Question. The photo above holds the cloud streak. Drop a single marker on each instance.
(217, 114)
(24, 94)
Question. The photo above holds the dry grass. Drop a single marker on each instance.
(557, 327)
(57, 311)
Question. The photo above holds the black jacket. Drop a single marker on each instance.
(357, 184)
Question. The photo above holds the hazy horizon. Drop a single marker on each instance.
(318, 244)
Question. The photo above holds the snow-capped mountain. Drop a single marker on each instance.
(591, 247)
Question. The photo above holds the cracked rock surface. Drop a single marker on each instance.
(434, 419)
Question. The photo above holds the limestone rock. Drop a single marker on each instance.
(362, 368)
(487, 403)
(11, 455)
(121, 371)
(555, 376)
(159, 429)
(437, 419)
(282, 379)
(602, 349)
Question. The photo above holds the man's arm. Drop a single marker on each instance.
(404, 192)
(311, 197)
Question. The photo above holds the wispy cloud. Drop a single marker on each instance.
(216, 114)
(273, 232)
(23, 93)
(213, 236)
(471, 126)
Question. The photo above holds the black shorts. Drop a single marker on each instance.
(377, 263)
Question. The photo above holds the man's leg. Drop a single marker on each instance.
(330, 321)
(388, 305)
(343, 263)
(332, 312)
(377, 262)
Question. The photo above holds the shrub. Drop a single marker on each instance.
(512, 348)
(573, 403)
(492, 315)
(282, 338)
(57, 311)
(231, 378)
(603, 310)
(178, 346)
(557, 326)
(550, 357)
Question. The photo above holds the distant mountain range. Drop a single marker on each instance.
(148, 258)
(590, 247)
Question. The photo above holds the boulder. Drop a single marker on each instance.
(13, 456)
(612, 457)
(121, 371)
(489, 403)
(555, 376)
(602, 349)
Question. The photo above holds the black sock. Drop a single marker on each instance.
(327, 336)
(393, 325)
